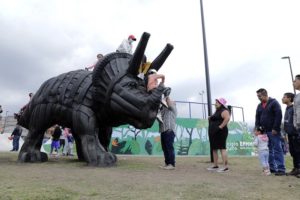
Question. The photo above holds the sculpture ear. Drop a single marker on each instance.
(161, 58)
(138, 55)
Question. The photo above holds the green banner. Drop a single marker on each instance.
(191, 139)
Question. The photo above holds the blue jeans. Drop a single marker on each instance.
(167, 140)
(264, 158)
(276, 155)
(16, 143)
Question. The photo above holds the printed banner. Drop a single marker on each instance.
(191, 139)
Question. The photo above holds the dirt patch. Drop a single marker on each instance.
(141, 178)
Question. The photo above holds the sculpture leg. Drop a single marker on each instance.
(86, 128)
(31, 149)
(105, 136)
(78, 147)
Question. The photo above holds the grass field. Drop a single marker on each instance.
(141, 178)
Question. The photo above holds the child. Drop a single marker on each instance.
(55, 145)
(261, 142)
(70, 144)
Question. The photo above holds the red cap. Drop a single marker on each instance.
(132, 37)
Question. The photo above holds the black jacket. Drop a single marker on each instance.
(288, 125)
(269, 117)
(17, 132)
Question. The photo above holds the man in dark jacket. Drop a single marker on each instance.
(269, 116)
(290, 130)
(16, 134)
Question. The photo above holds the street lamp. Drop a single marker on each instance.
(287, 57)
(209, 107)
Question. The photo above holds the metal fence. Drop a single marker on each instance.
(187, 109)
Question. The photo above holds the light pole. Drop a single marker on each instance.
(209, 108)
(287, 57)
(206, 63)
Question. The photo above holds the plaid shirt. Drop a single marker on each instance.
(169, 118)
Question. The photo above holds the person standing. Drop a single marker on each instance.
(65, 134)
(269, 116)
(70, 144)
(126, 45)
(296, 120)
(290, 130)
(261, 142)
(167, 132)
(16, 134)
(218, 131)
(55, 145)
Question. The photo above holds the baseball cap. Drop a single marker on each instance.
(132, 37)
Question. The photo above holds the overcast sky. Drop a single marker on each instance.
(246, 39)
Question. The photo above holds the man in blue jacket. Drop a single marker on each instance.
(269, 116)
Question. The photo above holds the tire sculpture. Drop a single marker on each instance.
(91, 103)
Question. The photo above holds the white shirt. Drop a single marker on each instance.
(125, 47)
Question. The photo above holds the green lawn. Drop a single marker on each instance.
(140, 178)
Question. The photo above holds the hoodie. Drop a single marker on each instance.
(269, 117)
(261, 142)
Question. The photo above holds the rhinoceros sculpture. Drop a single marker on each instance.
(91, 103)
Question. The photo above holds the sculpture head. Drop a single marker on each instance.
(120, 96)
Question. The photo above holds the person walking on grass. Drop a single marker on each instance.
(218, 131)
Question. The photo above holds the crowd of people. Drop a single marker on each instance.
(269, 138)
(62, 141)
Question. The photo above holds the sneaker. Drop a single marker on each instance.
(212, 168)
(221, 170)
(267, 172)
(294, 172)
(169, 167)
(280, 173)
(163, 166)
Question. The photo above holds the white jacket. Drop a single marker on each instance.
(261, 142)
(125, 47)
